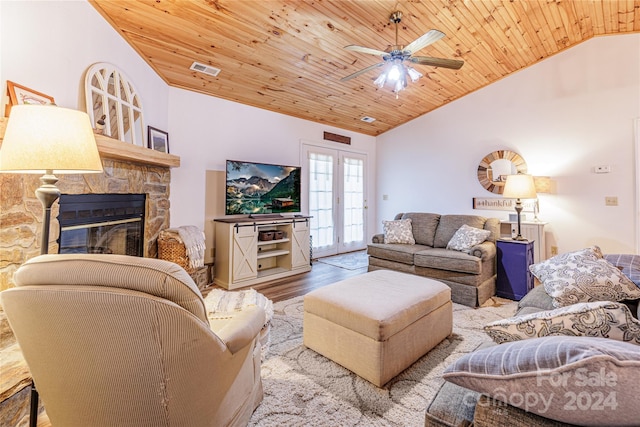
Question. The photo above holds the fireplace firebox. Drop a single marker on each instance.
(102, 223)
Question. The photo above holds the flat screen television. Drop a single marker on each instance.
(261, 188)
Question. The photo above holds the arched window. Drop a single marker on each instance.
(113, 104)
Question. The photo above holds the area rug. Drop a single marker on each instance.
(303, 388)
(350, 261)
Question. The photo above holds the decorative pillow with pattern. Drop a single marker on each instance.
(577, 380)
(467, 237)
(398, 231)
(629, 265)
(583, 276)
(592, 319)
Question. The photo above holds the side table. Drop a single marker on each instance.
(514, 278)
(531, 230)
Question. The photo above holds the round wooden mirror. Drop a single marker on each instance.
(495, 167)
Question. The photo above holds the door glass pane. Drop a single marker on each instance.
(353, 200)
(321, 199)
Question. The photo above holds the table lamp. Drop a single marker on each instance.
(519, 187)
(46, 139)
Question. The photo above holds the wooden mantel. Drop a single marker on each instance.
(114, 149)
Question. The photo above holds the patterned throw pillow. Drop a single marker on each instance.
(583, 276)
(576, 380)
(467, 237)
(593, 319)
(628, 263)
(398, 231)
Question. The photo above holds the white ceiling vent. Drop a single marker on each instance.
(368, 119)
(212, 71)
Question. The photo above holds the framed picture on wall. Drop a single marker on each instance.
(158, 139)
(19, 95)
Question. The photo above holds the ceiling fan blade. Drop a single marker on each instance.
(454, 64)
(366, 50)
(364, 70)
(423, 41)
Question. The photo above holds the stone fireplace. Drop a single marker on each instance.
(21, 212)
(101, 224)
(128, 170)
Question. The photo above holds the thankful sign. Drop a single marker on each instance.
(501, 204)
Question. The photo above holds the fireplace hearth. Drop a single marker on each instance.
(102, 223)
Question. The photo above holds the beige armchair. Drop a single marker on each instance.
(113, 340)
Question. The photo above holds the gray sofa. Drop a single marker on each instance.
(456, 406)
(471, 276)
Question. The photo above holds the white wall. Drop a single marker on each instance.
(48, 46)
(206, 131)
(564, 115)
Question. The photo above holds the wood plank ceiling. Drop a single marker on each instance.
(289, 56)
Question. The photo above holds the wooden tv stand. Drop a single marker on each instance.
(242, 259)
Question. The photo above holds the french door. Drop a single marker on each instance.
(336, 189)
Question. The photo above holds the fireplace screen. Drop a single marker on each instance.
(102, 223)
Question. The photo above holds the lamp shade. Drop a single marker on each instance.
(544, 184)
(41, 138)
(520, 186)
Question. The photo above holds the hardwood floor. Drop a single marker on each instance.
(320, 275)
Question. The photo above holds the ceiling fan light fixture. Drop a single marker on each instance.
(400, 84)
(414, 74)
(396, 58)
(381, 80)
(396, 71)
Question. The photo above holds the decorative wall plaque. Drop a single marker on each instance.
(501, 204)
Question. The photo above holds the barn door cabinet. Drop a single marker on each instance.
(251, 251)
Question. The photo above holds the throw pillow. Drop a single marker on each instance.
(467, 237)
(398, 231)
(629, 264)
(594, 319)
(576, 380)
(583, 276)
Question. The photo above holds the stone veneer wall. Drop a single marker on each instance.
(21, 212)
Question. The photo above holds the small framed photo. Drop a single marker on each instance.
(19, 95)
(158, 139)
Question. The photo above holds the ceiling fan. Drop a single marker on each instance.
(395, 59)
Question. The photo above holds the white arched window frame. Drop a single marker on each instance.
(111, 94)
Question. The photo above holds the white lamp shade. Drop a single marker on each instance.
(520, 186)
(41, 138)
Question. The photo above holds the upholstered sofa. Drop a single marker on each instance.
(470, 275)
(608, 378)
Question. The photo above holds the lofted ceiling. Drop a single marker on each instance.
(289, 56)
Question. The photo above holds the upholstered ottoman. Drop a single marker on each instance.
(379, 323)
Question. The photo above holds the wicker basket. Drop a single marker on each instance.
(171, 248)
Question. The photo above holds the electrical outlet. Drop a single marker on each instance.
(554, 250)
(611, 201)
(385, 197)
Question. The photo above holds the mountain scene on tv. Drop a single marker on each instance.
(256, 188)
